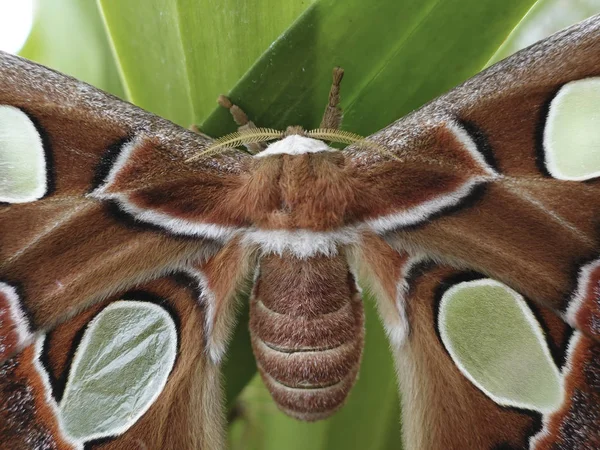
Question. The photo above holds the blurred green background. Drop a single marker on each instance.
(274, 58)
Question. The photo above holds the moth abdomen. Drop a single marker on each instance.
(306, 323)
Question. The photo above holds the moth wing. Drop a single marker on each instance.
(140, 369)
(500, 175)
(96, 197)
(479, 365)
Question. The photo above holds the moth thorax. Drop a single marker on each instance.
(307, 330)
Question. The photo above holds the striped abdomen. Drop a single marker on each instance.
(306, 323)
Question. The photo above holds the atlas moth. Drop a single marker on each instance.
(125, 240)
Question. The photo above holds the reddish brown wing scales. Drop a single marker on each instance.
(306, 322)
(430, 173)
(175, 189)
(186, 414)
(577, 423)
(27, 419)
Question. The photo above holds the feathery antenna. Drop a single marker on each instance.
(242, 137)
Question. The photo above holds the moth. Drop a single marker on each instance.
(126, 239)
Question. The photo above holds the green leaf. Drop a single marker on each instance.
(545, 18)
(68, 36)
(397, 56)
(177, 56)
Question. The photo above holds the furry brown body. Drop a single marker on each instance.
(306, 322)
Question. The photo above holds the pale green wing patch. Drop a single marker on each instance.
(572, 133)
(497, 343)
(22, 158)
(119, 369)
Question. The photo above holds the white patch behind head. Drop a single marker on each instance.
(22, 159)
(295, 145)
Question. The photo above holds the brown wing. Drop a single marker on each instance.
(483, 181)
(186, 411)
(454, 403)
(95, 197)
(496, 188)
(185, 414)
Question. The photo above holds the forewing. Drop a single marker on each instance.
(95, 197)
(500, 175)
